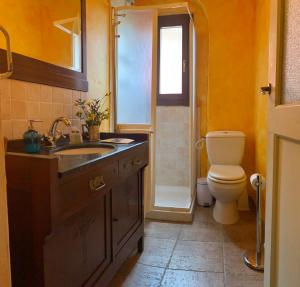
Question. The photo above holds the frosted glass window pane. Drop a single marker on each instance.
(134, 68)
(291, 53)
(170, 81)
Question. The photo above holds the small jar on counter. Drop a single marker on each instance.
(75, 136)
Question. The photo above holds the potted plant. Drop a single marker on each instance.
(93, 113)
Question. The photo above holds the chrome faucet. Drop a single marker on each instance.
(54, 134)
(53, 129)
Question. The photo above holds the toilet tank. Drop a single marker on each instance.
(225, 147)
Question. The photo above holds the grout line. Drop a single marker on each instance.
(167, 266)
(224, 276)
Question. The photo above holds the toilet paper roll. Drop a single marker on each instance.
(258, 180)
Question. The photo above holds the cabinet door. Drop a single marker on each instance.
(81, 248)
(126, 210)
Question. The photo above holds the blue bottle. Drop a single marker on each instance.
(32, 139)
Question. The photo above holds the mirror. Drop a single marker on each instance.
(47, 40)
(45, 30)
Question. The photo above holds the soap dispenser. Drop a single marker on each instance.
(32, 139)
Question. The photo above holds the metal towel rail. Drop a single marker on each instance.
(9, 59)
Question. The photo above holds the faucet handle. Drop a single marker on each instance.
(59, 134)
(47, 140)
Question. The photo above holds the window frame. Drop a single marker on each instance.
(182, 99)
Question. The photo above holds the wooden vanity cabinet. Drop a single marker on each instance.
(80, 227)
(126, 211)
(81, 247)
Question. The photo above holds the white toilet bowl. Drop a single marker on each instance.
(226, 183)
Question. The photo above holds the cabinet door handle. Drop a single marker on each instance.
(137, 162)
(97, 184)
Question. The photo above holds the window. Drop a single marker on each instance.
(173, 56)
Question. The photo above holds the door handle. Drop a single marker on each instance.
(184, 66)
(9, 60)
(266, 90)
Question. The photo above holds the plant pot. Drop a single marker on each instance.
(94, 133)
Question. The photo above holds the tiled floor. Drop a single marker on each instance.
(202, 254)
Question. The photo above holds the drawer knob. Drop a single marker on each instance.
(97, 184)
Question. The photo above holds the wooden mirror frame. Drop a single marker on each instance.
(36, 71)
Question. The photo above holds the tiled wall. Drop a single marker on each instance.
(172, 146)
(21, 101)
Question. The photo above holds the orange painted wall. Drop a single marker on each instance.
(261, 72)
(231, 70)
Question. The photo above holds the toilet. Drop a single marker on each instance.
(226, 178)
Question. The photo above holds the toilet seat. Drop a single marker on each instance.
(226, 174)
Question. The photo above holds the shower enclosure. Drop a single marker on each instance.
(170, 179)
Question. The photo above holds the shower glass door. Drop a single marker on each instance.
(135, 80)
(168, 178)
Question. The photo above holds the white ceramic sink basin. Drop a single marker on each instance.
(85, 151)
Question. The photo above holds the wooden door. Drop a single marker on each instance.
(282, 249)
(126, 210)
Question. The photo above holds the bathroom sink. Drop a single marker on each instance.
(86, 150)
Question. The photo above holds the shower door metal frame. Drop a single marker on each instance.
(150, 129)
(136, 128)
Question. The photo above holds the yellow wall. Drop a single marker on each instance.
(231, 70)
(261, 101)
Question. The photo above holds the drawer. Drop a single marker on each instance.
(80, 188)
(136, 160)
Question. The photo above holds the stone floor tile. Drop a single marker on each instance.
(234, 265)
(180, 278)
(204, 214)
(241, 280)
(247, 217)
(239, 232)
(162, 229)
(201, 232)
(237, 248)
(233, 259)
(157, 251)
(197, 256)
(138, 275)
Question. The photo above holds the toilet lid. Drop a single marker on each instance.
(226, 172)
